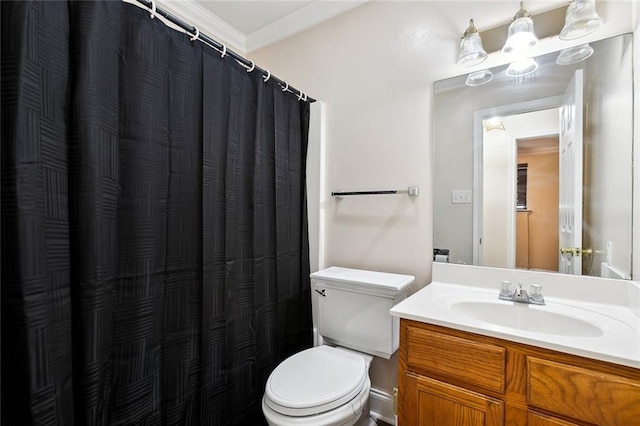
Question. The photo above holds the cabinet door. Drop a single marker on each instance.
(580, 393)
(429, 402)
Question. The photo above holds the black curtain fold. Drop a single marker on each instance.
(154, 239)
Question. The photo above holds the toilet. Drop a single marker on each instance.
(328, 385)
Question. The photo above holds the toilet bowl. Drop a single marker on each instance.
(329, 385)
(318, 386)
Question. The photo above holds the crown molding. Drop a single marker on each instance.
(209, 23)
(297, 21)
(190, 11)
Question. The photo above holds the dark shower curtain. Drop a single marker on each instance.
(154, 239)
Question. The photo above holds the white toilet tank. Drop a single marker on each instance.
(353, 308)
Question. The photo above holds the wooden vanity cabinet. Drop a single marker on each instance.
(451, 377)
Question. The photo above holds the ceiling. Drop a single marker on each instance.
(251, 16)
(248, 25)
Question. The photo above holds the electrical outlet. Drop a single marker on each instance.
(461, 197)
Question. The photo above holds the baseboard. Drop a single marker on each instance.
(381, 406)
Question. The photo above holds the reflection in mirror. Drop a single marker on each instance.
(536, 172)
(520, 174)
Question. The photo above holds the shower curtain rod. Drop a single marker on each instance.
(250, 65)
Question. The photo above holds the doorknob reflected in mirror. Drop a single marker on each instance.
(567, 250)
(575, 251)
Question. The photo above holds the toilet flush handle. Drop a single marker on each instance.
(322, 293)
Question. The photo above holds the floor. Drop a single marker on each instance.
(379, 423)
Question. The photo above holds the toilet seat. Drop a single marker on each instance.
(315, 380)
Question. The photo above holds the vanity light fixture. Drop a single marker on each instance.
(574, 54)
(581, 19)
(471, 50)
(522, 68)
(479, 78)
(520, 34)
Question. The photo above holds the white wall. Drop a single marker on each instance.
(375, 66)
(377, 135)
(533, 124)
(316, 191)
(497, 198)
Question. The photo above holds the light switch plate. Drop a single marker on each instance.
(461, 196)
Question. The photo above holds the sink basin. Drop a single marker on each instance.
(555, 318)
(537, 319)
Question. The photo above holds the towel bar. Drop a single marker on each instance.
(412, 191)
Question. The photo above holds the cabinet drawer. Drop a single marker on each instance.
(477, 364)
(600, 398)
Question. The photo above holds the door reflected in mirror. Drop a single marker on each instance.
(528, 199)
(537, 209)
(548, 161)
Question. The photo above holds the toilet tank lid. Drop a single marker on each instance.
(359, 279)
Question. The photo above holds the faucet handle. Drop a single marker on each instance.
(506, 290)
(536, 294)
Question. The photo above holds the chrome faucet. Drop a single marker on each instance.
(520, 295)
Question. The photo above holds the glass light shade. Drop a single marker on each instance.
(479, 78)
(574, 54)
(471, 50)
(581, 19)
(522, 68)
(520, 35)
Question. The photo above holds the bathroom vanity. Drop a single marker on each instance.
(515, 364)
(477, 380)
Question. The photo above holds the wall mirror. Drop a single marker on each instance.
(535, 172)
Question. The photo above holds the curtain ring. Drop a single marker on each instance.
(224, 51)
(153, 9)
(300, 95)
(286, 87)
(305, 97)
(253, 66)
(268, 76)
(195, 37)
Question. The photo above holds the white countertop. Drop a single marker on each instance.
(616, 339)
